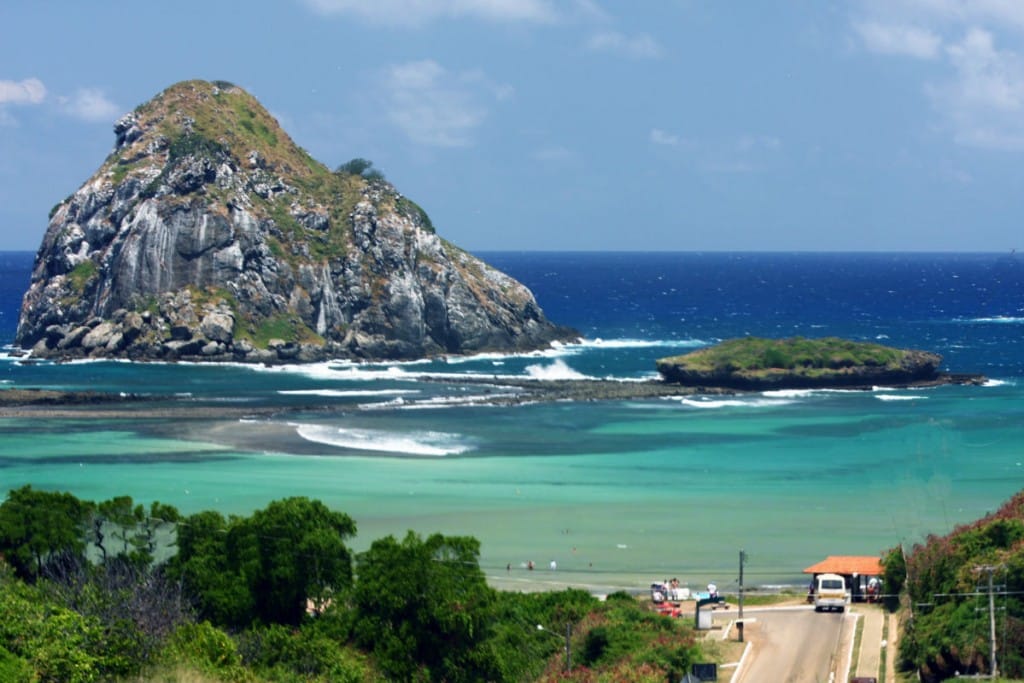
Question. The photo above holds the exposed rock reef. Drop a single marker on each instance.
(756, 364)
(207, 234)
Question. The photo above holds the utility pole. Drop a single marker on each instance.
(739, 623)
(568, 656)
(991, 618)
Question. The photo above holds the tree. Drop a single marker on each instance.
(424, 606)
(39, 526)
(146, 541)
(360, 167)
(117, 519)
(209, 575)
(894, 577)
(265, 567)
(291, 552)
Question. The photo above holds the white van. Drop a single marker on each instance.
(830, 593)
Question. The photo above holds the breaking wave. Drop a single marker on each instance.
(710, 403)
(435, 444)
(559, 369)
(903, 397)
(997, 319)
(338, 393)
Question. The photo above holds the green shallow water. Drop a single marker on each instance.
(618, 494)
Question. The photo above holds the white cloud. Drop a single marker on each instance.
(892, 39)
(417, 12)
(977, 96)
(641, 46)
(1001, 12)
(660, 137)
(946, 13)
(28, 91)
(983, 102)
(436, 107)
(90, 104)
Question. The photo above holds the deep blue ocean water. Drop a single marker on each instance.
(616, 492)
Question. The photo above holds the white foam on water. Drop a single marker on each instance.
(434, 444)
(892, 397)
(338, 393)
(996, 383)
(343, 370)
(497, 358)
(599, 343)
(349, 371)
(997, 319)
(559, 369)
(707, 403)
(788, 393)
(562, 349)
(439, 402)
(804, 393)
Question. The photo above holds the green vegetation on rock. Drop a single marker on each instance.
(799, 353)
(205, 190)
(753, 362)
(82, 274)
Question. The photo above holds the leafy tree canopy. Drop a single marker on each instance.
(423, 606)
(38, 526)
(265, 567)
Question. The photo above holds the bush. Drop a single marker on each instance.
(208, 649)
(58, 644)
(14, 669)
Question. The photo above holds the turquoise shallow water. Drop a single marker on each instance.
(618, 493)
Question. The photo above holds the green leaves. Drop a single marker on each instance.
(946, 581)
(265, 567)
(39, 526)
(423, 606)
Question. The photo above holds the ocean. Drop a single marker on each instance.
(617, 494)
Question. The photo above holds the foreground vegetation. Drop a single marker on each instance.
(115, 591)
(943, 585)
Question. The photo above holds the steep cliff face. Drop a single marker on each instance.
(208, 234)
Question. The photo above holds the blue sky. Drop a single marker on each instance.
(807, 125)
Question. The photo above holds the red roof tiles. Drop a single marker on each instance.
(847, 565)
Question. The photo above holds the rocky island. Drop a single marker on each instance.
(207, 234)
(757, 364)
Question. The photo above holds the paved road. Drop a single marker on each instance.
(792, 645)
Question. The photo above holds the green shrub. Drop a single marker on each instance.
(208, 649)
(82, 274)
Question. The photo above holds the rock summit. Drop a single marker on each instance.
(207, 234)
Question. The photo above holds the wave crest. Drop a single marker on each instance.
(558, 369)
(436, 444)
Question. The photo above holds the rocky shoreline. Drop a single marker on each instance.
(43, 402)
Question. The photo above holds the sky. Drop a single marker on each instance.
(645, 125)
